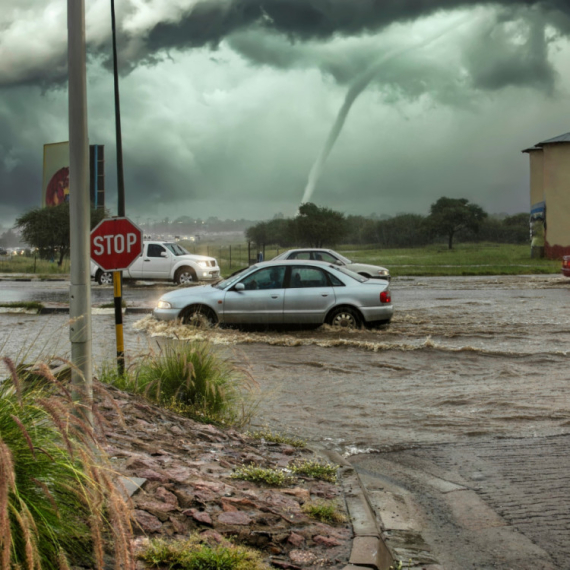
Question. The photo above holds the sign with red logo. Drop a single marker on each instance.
(115, 244)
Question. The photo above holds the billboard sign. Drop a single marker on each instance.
(55, 186)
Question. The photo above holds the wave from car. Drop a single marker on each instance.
(164, 261)
(283, 292)
(331, 256)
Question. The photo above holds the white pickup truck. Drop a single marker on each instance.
(164, 261)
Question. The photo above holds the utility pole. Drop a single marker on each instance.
(118, 275)
(79, 211)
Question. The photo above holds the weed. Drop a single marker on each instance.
(399, 565)
(28, 305)
(58, 504)
(192, 554)
(112, 305)
(315, 469)
(274, 437)
(191, 379)
(324, 511)
(272, 477)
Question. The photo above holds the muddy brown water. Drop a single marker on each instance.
(463, 357)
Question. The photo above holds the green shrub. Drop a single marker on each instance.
(274, 437)
(192, 554)
(58, 504)
(273, 477)
(192, 379)
(315, 469)
(324, 511)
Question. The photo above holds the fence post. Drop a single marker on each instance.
(230, 256)
(248, 253)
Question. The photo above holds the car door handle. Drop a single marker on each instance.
(275, 296)
(147, 259)
(325, 294)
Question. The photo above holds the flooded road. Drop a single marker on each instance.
(469, 384)
(463, 357)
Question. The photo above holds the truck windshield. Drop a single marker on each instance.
(176, 249)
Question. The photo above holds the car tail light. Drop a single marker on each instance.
(385, 297)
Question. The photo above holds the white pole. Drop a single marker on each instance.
(79, 209)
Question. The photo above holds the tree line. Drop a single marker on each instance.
(450, 220)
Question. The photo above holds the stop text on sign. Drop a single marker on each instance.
(115, 244)
(110, 244)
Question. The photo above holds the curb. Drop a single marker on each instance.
(65, 310)
(368, 547)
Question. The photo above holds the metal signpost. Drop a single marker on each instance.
(115, 244)
(79, 211)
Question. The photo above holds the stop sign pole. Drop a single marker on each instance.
(115, 244)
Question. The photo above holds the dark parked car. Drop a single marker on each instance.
(283, 292)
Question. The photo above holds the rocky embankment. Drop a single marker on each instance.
(180, 471)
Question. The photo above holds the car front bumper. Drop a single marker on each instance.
(166, 314)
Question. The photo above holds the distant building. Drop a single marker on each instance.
(550, 195)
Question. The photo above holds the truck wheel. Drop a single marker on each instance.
(185, 275)
(199, 317)
(104, 278)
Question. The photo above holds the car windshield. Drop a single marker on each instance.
(345, 260)
(232, 278)
(350, 273)
(176, 249)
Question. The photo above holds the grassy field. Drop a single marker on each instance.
(434, 260)
(41, 267)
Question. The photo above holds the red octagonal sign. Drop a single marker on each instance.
(115, 244)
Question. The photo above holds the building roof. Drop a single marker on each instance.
(556, 140)
(532, 149)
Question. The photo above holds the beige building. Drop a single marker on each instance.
(550, 195)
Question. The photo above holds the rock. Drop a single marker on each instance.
(157, 508)
(179, 474)
(326, 541)
(234, 518)
(166, 496)
(178, 526)
(200, 516)
(151, 475)
(146, 521)
(302, 557)
(298, 492)
(296, 540)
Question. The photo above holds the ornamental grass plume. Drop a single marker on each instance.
(59, 506)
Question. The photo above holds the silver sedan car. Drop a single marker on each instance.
(331, 256)
(283, 292)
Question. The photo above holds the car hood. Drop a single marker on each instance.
(199, 290)
(366, 267)
(194, 257)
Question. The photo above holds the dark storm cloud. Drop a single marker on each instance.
(210, 21)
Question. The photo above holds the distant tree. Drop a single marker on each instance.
(10, 239)
(48, 229)
(450, 215)
(315, 226)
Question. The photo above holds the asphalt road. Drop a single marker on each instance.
(461, 405)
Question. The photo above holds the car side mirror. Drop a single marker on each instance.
(338, 262)
(163, 254)
(239, 287)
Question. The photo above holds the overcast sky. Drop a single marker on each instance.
(226, 104)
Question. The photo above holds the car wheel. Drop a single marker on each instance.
(345, 317)
(104, 278)
(199, 317)
(185, 275)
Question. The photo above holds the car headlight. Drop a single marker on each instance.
(202, 264)
(163, 305)
(383, 272)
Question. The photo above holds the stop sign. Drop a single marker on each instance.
(115, 244)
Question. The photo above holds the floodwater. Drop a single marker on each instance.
(463, 357)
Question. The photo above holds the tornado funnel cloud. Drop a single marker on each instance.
(359, 85)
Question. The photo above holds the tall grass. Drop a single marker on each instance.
(58, 504)
(192, 379)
